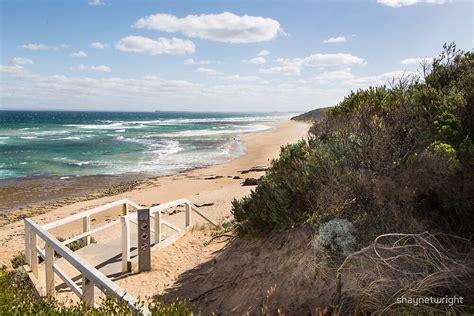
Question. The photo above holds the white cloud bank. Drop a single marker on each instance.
(22, 61)
(151, 92)
(99, 45)
(225, 27)
(256, 60)
(293, 66)
(101, 68)
(145, 45)
(35, 46)
(335, 40)
(96, 2)
(191, 61)
(215, 74)
(402, 3)
(15, 69)
(384, 78)
(341, 74)
(42, 47)
(263, 53)
(416, 61)
(79, 54)
(28, 90)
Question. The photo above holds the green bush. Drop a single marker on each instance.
(387, 159)
(17, 298)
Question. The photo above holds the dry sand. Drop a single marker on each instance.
(213, 186)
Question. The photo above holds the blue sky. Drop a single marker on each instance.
(215, 55)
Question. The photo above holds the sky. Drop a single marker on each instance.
(203, 55)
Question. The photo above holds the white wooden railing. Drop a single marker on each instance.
(86, 220)
(156, 216)
(91, 277)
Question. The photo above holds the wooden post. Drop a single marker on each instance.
(188, 215)
(33, 253)
(125, 209)
(88, 292)
(27, 244)
(50, 286)
(126, 266)
(157, 227)
(86, 226)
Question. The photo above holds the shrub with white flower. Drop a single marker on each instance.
(336, 235)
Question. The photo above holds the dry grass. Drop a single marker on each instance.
(408, 265)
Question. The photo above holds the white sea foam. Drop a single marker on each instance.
(108, 124)
(211, 132)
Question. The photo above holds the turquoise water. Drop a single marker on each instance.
(69, 144)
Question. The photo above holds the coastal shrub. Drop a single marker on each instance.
(18, 298)
(18, 260)
(337, 235)
(387, 159)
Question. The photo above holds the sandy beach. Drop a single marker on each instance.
(212, 187)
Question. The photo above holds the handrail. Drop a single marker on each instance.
(93, 211)
(92, 276)
(162, 207)
(91, 232)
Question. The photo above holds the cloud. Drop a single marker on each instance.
(208, 71)
(35, 47)
(293, 66)
(79, 54)
(99, 45)
(43, 47)
(381, 79)
(402, 3)
(101, 68)
(145, 45)
(191, 61)
(11, 69)
(96, 2)
(219, 75)
(289, 69)
(22, 61)
(152, 92)
(225, 27)
(264, 53)
(324, 60)
(256, 60)
(238, 78)
(327, 76)
(416, 61)
(334, 40)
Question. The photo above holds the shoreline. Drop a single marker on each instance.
(214, 186)
(25, 196)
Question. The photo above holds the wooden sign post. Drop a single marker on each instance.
(144, 254)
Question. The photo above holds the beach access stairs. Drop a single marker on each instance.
(109, 237)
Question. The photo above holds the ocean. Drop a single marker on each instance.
(71, 144)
